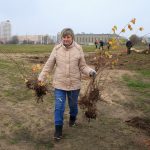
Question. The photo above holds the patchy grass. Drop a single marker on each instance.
(140, 86)
(145, 73)
(134, 61)
(134, 83)
(27, 125)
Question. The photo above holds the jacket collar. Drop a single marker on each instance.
(67, 48)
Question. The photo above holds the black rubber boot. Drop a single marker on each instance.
(72, 121)
(58, 132)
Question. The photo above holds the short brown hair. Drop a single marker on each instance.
(67, 31)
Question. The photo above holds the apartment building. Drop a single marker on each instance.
(5, 31)
(89, 39)
(35, 39)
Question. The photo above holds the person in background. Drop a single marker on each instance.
(128, 45)
(68, 57)
(96, 44)
(108, 45)
(101, 44)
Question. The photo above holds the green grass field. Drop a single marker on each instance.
(34, 48)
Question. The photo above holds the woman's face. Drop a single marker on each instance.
(67, 40)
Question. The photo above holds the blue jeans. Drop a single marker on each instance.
(60, 100)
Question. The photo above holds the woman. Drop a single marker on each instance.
(69, 59)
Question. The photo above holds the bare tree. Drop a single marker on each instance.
(14, 40)
(135, 39)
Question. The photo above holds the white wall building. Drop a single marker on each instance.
(89, 39)
(35, 39)
(5, 31)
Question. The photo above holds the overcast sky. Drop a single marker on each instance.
(89, 16)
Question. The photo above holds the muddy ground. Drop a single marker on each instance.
(123, 112)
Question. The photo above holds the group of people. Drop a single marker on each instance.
(100, 44)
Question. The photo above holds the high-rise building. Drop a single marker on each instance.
(5, 31)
